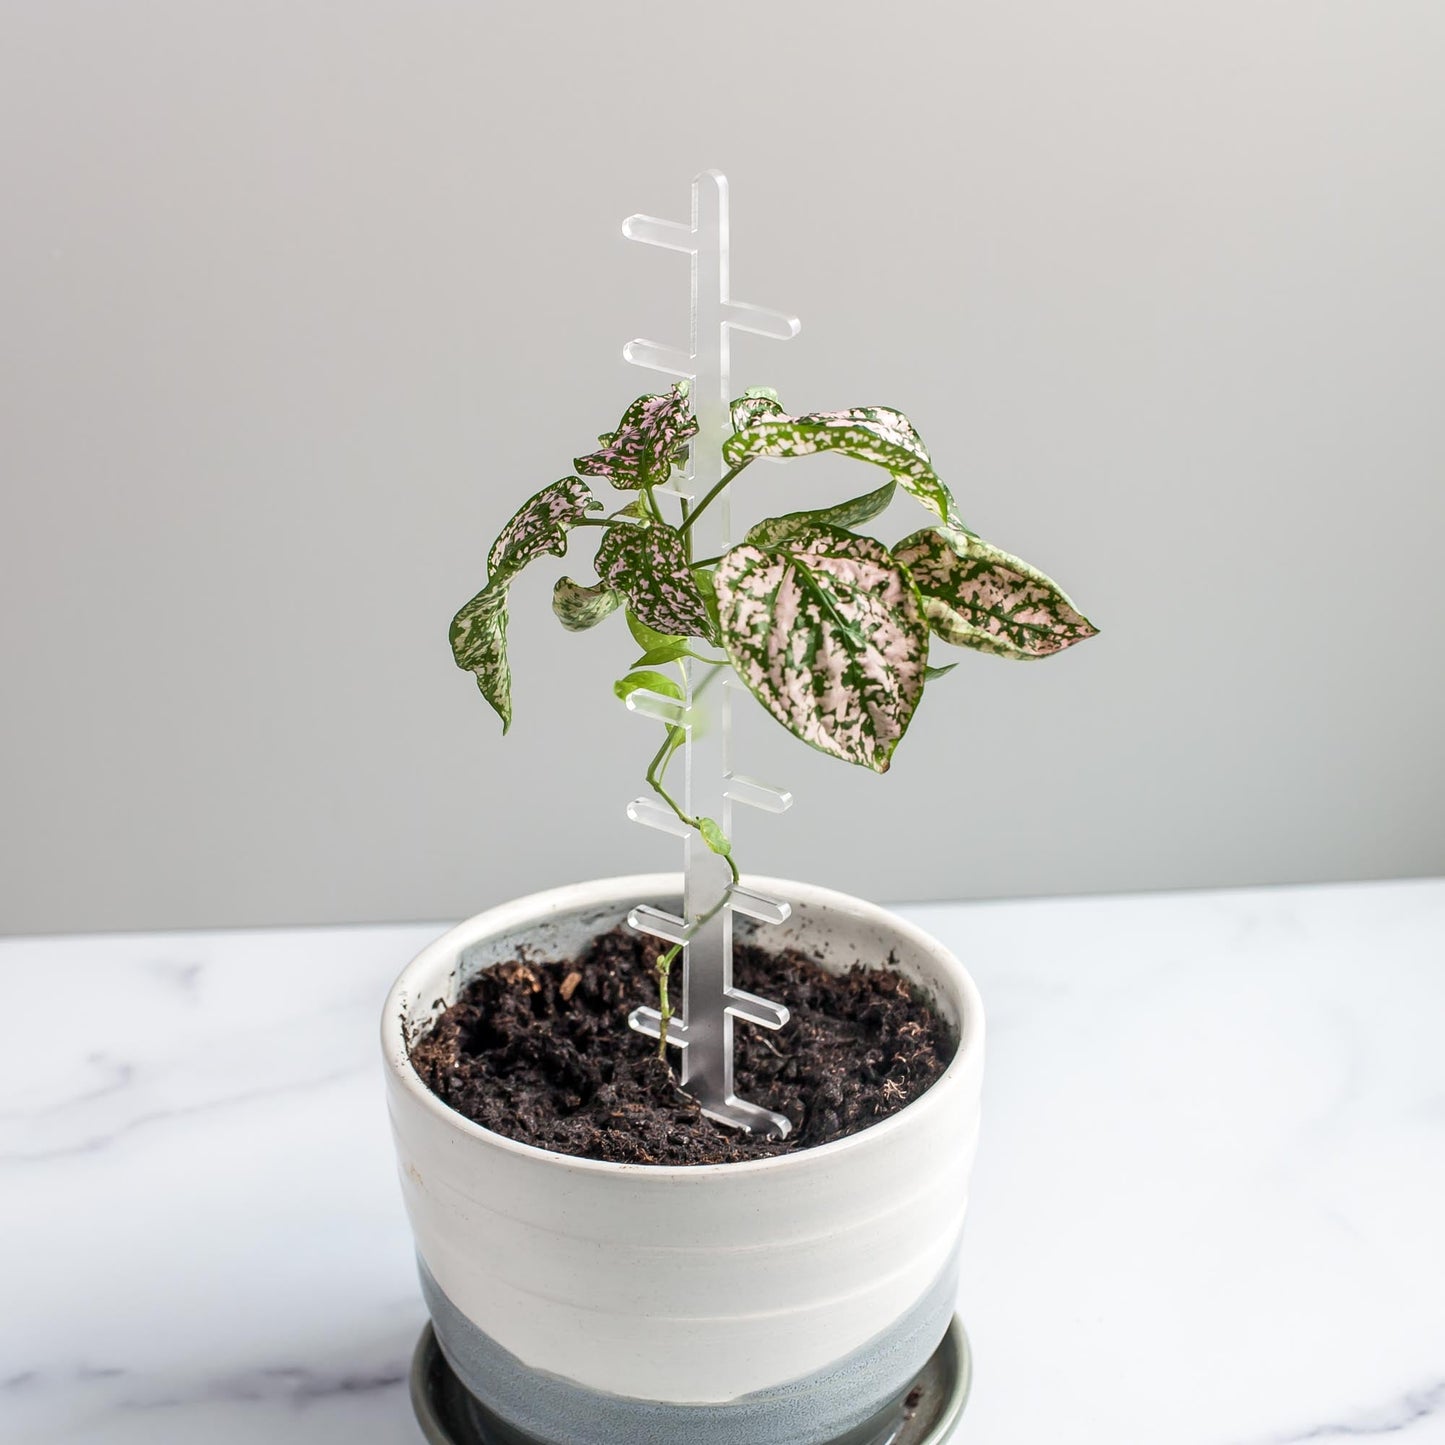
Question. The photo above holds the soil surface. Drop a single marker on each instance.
(541, 1052)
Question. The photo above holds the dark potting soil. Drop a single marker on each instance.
(542, 1053)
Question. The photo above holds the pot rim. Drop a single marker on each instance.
(536, 907)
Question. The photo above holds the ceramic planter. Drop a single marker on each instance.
(782, 1301)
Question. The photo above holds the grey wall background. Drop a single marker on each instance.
(300, 299)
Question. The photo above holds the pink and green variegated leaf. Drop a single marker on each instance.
(977, 596)
(753, 405)
(647, 563)
(828, 633)
(479, 630)
(479, 644)
(579, 607)
(876, 434)
(540, 525)
(772, 530)
(649, 441)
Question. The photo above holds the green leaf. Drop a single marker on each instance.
(648, 638)
(578, 607)
(648, 681)
(754, 404)
(649, 441)
(648, 563)
(479, 630)
(706, 586)
(978, 596)
(851, 513)
(714, 836)
(668, 652)
(929, 673)
(875, 434)
(828, 633)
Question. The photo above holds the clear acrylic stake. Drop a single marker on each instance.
(703, 1029)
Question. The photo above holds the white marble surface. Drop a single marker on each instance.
(1209, 1206)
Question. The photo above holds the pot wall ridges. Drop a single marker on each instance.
(551, 1257)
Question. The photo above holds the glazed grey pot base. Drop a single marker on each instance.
(847, 1403)
(926, 1413)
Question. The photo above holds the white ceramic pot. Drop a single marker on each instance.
(781, 1301)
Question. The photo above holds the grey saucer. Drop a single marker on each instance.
(927, 1414)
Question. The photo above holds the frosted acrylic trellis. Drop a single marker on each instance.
(703, 1028)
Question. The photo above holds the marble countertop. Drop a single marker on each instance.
(1209, 1206)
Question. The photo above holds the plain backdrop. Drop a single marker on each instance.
(299, 300)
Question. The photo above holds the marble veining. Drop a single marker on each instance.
(1206, 1210)
(1415, 1408)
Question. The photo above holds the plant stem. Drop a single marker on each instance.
(702, 506)
(675, 739)
(706, 561)
(665, 1011)
(654, 780)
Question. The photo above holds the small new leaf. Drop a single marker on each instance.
(647, 681)
(648, 564)
(876, 434)
(649, 441)
(668, 652)
(578, 607)
(980, 597)
(851, 513)
(479, 630)
(929, 673)
(714, 836)
(828, 633)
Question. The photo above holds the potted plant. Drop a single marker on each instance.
(589, 1280)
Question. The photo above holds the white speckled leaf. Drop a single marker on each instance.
(977, 596)
(648, 564)
(579, 607)
(829, 635)
(851, 513)
(875, 434)
(649, 441)
(754, 404)
(479, 630)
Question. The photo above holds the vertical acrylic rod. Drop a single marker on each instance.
(710, 1003)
